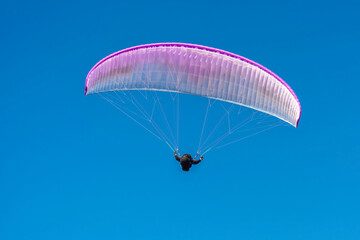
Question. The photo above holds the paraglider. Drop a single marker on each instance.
(186, 161)
(187, 69)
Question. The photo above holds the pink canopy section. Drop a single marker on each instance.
(197, 70)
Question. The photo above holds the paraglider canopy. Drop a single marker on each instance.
(197, 70)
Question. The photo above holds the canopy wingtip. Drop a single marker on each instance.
(297, 122)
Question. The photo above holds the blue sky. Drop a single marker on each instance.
(72, 167)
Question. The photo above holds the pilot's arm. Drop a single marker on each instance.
(197, 161)
(176, 157)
